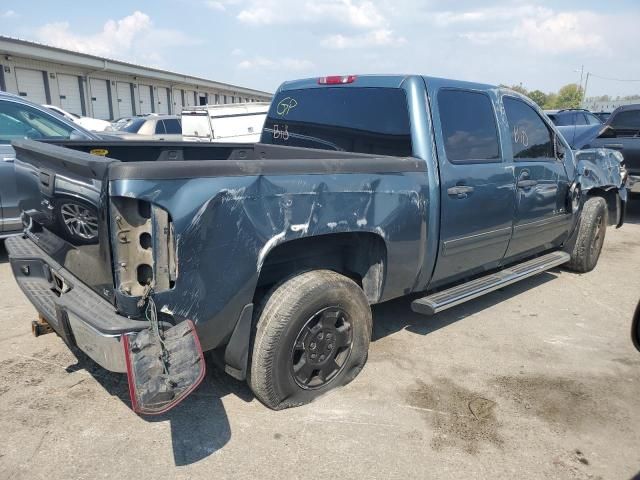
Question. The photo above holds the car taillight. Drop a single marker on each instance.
(337, 79)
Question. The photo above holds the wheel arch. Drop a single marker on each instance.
(616, 203)
(361, 256)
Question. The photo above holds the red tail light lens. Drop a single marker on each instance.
(337, 79)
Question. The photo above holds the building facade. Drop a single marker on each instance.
(98, 87)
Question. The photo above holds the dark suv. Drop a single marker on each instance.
(572, 116)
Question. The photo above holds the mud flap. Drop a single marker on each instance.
(162, 374)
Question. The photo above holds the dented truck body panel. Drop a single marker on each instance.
(222, 240)
(224, 223)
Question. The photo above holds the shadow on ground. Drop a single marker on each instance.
(633, 210)
(199, 425)
(395, 315)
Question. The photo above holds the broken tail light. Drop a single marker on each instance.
(163, 367)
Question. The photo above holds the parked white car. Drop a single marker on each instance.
(149, 127)
(94, 124)
(236, 122)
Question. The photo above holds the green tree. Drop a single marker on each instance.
(551, 102)
(539, 97)
(519, 89)
(569, 96)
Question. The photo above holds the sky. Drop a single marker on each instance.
(261, 43)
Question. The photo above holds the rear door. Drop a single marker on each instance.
(31, 85)
(477, 185)
(162, 100)
(100, 98)
(541, 220)
(144, 92)
(177, 101)
(69, 88)
(125, 105)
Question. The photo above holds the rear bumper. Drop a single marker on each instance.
(79, 315)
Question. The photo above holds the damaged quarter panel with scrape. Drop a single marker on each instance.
(224, 237)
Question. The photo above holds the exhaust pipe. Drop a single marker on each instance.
(40, 327)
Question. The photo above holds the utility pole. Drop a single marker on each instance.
(581, 73)
(584, 92)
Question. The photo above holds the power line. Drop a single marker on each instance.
(614, 79)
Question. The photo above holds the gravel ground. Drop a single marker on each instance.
(538, 380)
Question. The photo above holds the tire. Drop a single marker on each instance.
(318, 311)
(590, 236)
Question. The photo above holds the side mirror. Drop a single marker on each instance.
(635, 328)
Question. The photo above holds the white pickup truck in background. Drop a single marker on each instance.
(240, 122)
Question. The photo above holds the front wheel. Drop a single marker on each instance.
(312, 335)
(590, 236)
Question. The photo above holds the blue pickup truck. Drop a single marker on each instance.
(363, 189)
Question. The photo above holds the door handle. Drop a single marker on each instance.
(615, 146)
(460, 191)
(527, 183)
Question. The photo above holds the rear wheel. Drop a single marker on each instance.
(312, 335)
(590, 236)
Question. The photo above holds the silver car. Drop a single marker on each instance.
(150, 127)
(23, 119)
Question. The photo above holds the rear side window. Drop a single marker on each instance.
(362, 120)
(160, 127)
(468, 127)
(530, 136)
(172, 125)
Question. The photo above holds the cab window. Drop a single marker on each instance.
(468, 127)
(531, 139)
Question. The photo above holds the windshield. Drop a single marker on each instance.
(363, 120)
(131, 126)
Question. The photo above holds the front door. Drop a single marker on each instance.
(542, 220)
(477, 185)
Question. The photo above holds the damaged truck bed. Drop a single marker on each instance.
(268, 256)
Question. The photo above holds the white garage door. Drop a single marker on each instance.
(31, 85)
(189, 97)
(177, 101)
(123, 92)
(144, 92)
(69, 89)
(162, 100)
(99, 98)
